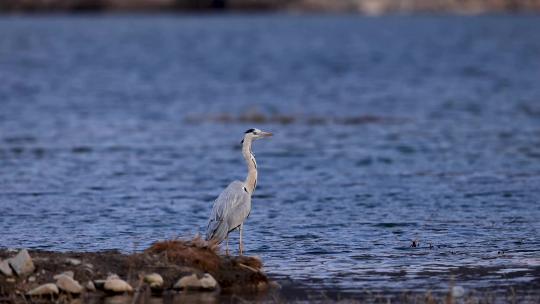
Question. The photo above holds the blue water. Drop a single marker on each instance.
(117, 131)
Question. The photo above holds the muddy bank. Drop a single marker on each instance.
(166, 269)
(371, 7)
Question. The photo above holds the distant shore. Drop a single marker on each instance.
(368, 7)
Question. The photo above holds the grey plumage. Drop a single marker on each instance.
(233, 205)
(230, 210)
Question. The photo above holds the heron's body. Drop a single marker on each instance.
(231, 209)
(233, 205)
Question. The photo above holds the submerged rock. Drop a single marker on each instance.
(114, 284)
(22, 263)
(68, 284)
(45, 289)
(458, 291)
(5, 269)
(193, 282)
(154, 280)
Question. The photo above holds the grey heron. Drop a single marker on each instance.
(233, 205)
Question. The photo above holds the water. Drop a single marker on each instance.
(116, 131)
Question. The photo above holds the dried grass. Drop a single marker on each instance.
(241, 272)
(195, 252)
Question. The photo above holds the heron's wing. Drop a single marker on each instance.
(230, 210)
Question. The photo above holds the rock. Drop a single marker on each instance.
(10, 280)
(74, 262)
(112, 276)
(458, 291)
(154, 280)
(5, 269)
(90, 286)
(68, 284)
(117, 285)
(207, 282)
(22, 263)
(32, 279)
(88, 266)
(68, 273)
(45, 289)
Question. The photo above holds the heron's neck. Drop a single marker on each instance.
(251, 179)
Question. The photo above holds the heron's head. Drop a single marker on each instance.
(256, 134)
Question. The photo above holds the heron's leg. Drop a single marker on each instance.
(241, 245)
(227, 245)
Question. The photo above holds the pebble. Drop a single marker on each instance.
(22, 263)
(90, 286)
(207, 282)
(5, 268)
(68, 273)
(45, 289)
(68, 284)
(117, 285)
(32, 279)
(458, 291)
(89, 266)
(74, 262)
(154, 280)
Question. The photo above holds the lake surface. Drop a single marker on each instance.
(117, 131)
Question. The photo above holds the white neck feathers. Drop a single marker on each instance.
(251, 179)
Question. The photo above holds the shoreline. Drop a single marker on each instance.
(165, 269)
(363, 7)
(156, 273)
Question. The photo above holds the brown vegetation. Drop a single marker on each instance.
(256, 117)
(232, 272)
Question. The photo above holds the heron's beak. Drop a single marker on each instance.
(266, 134)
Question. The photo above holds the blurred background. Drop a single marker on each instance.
(120, 129)
(362, 6)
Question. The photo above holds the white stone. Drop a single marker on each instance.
(45, 289)
(90, 286)
(194, 282)
(22, 263)
(74, 262)
(117, 285)
(68, 284)
(68, 273)
(5, 268)
(32, 279)
(89, 266)
(458, 291)
(154, 280)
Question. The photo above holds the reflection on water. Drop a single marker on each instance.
(117, 131)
